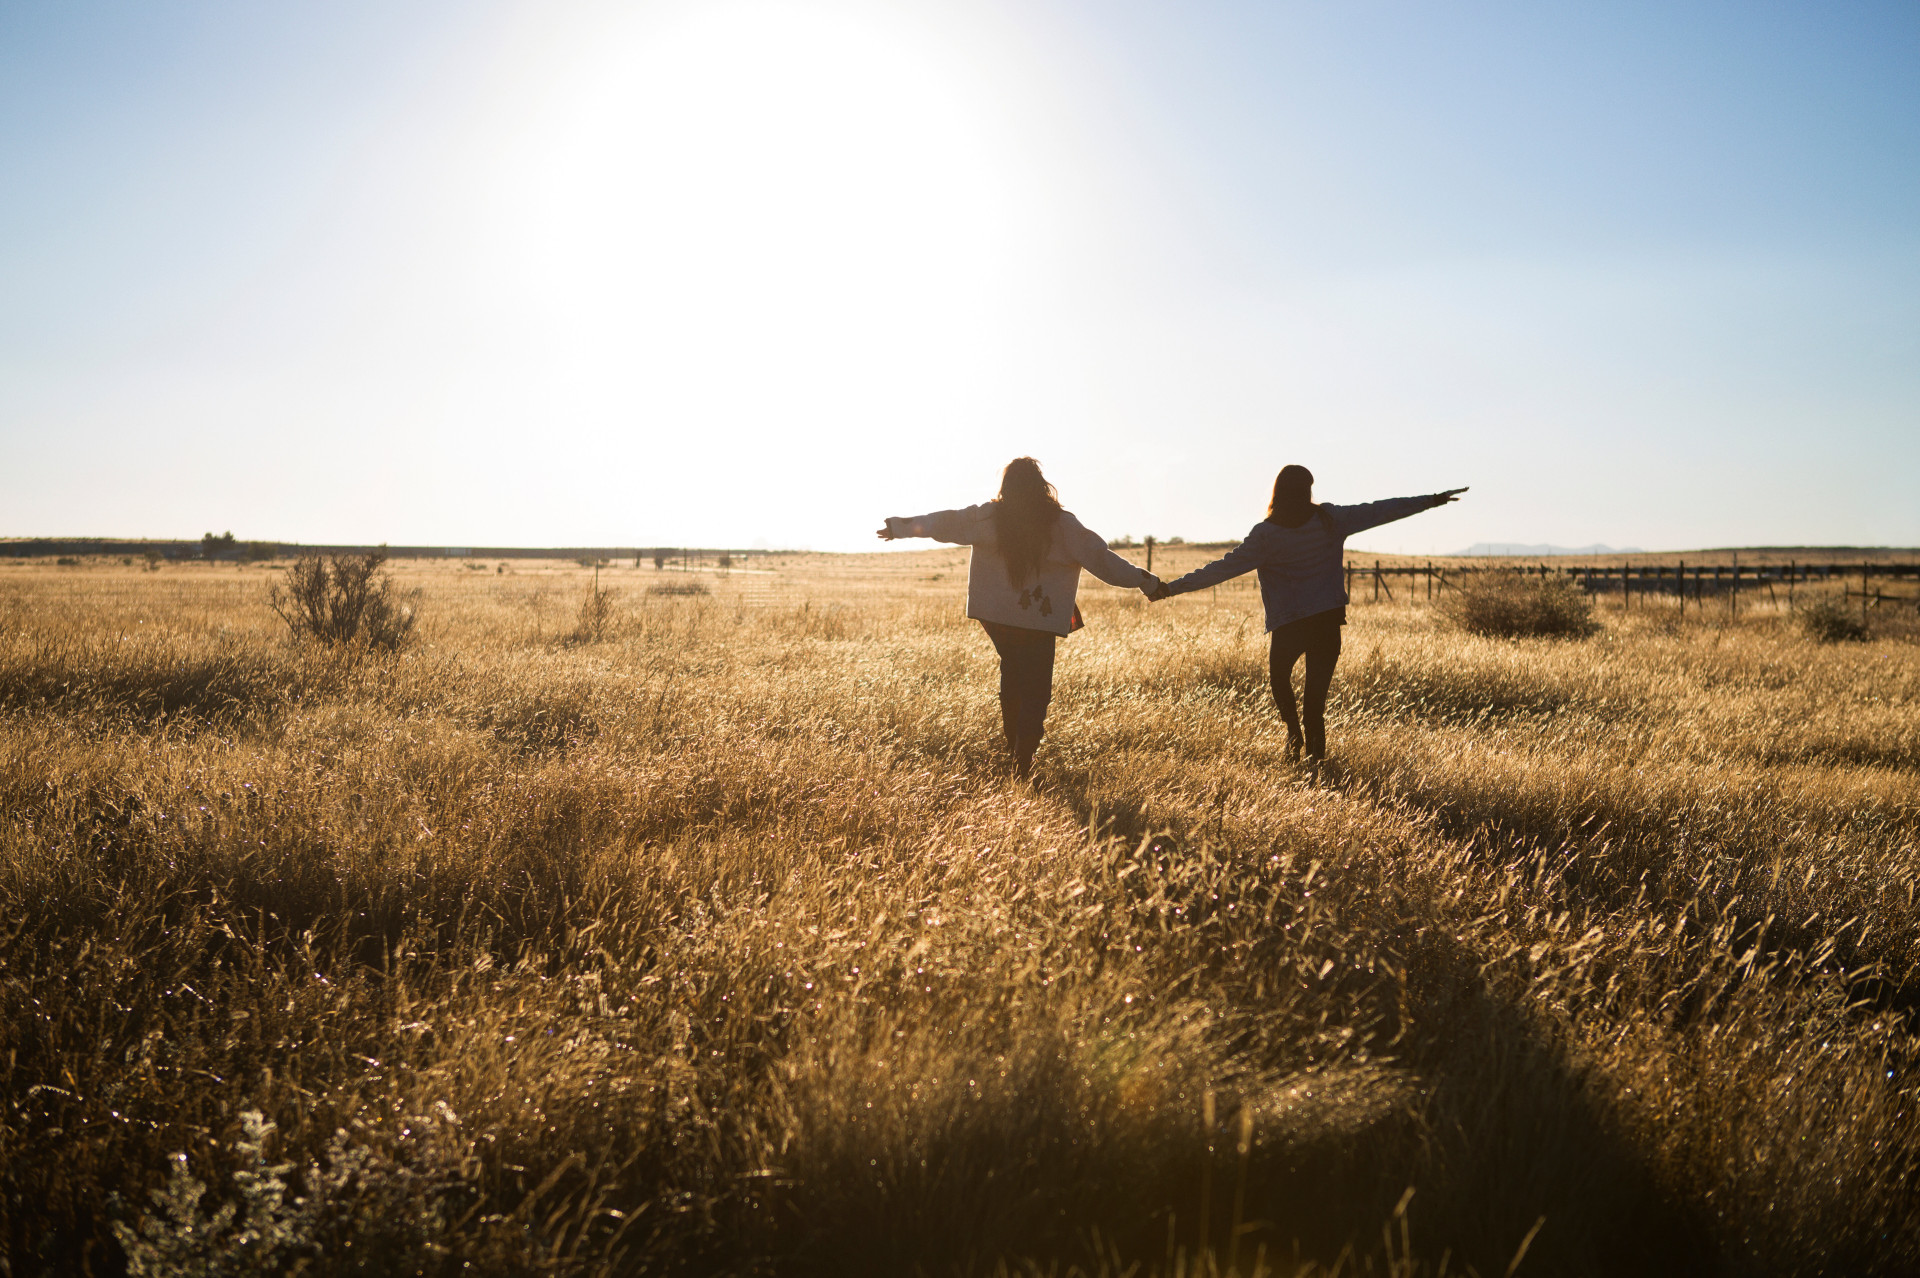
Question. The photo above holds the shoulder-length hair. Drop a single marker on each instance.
(1024, 516)
(1292, 503)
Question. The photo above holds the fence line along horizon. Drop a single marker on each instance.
(201, 548)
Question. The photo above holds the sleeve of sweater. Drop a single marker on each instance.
(1352, 519)
(961, 527)
(1088, 549)
(1243, 558)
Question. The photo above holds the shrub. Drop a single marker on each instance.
(1831, 621)
(596, 617)
(344, 599)
(1512, 605)
(67, 561)
(679, 588)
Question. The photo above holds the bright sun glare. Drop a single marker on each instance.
(757, 217)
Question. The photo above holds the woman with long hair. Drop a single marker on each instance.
(1298, 551)
(1021, 584)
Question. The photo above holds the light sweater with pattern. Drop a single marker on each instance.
(1043, 603)
(1300, 568)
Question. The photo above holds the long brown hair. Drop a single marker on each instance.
(1024, 515)
(1292, 503)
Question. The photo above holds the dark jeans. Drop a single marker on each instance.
(1318, 639)
(1026, 683)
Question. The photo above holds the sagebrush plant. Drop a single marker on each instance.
(727, 945)
(1833, 621)
(1516, 605)
(343, 599)
(596, 617)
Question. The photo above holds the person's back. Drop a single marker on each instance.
(1021, 585)
(1043, 597)
(1298, 550)
(1301, 568)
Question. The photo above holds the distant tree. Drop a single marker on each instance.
(221, 547)
(259, 550)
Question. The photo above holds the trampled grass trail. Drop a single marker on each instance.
(715, 938)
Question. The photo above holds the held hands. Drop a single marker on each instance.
(1151, 586)
(1441, 499)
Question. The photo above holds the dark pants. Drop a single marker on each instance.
(1318, 639)
(1026, 684)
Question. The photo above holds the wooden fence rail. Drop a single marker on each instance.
(1679, 581)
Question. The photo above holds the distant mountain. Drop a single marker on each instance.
(1537, 552)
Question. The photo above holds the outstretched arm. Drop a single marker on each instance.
(1090, 551)
(957, 526)
(1243, 558)
(1354, 519)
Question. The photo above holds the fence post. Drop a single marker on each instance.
(1680, 585)
(1733, 595)
(1790, 574)
(1149, 554)
(1863, 592)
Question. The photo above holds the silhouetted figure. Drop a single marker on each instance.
(1022, 590)
(1298, 551)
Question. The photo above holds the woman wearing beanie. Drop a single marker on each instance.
(1021, 584)
(1298, 551)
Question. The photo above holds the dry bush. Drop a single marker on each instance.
(1512, 605)
(1832, 621)
(724, 945)
(344, 599)
(596, 617)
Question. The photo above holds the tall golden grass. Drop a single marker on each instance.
(715, 938)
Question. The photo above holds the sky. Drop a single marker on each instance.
(763, 272)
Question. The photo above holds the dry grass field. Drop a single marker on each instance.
(713, 937)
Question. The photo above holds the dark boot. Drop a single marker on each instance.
(1023, 749)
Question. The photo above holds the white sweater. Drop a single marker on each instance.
(1044, 603)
